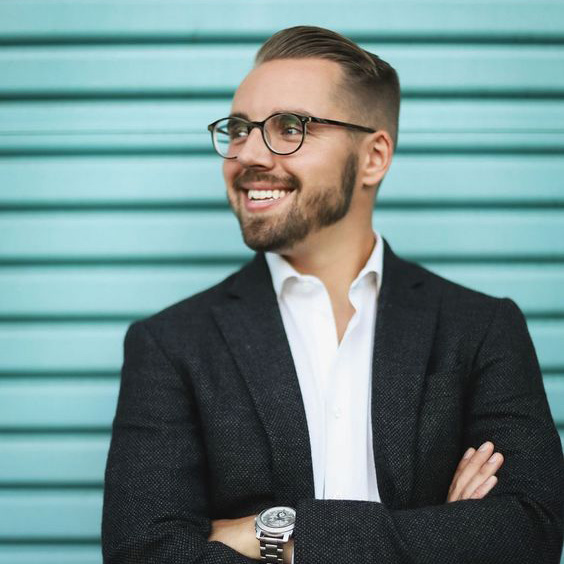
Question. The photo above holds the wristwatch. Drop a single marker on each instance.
(274, 527)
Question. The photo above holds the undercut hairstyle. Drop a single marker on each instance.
(370, 88)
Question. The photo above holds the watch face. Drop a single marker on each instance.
(277, 519)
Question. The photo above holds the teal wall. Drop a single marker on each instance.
(112, 204)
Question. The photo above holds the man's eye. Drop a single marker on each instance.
(291, 130)
(238, 132)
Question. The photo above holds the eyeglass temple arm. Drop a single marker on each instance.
(342, 124)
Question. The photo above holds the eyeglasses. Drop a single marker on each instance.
(283, 133)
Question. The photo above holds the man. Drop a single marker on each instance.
(315, 405)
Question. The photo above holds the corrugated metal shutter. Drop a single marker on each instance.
(112, 203)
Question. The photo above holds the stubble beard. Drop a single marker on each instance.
(308, 213)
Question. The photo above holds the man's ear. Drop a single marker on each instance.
(376, 157)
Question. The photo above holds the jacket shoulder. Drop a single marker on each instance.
(454, 292)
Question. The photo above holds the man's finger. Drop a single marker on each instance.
(462, 464)
(485, 488)
(468, 469)
(487, 470)
(473, 471)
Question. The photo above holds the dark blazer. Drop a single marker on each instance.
(210, 424)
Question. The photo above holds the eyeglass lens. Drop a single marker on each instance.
(283, 134)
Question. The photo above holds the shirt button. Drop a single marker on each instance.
(337, 413)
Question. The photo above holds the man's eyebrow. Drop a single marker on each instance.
(298, 111)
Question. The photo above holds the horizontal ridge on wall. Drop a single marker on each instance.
(50, 553)
(203, 70)
(117, 292)
(197, 20)
(160, 181)
(183, 235)
(426, 126)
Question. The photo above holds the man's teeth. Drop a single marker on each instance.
(267, 194)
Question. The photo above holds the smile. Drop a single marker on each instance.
(267, 194)
(262, 200)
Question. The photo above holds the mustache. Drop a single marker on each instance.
(290, 182)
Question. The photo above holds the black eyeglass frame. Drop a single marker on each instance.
(303, 119)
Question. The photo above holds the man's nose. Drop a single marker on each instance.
(254, 151)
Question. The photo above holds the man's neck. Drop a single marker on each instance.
(336, 263)
(334, 259)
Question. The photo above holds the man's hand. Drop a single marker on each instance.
(474, 476)
(239, 534)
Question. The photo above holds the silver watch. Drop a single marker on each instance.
(274, 527)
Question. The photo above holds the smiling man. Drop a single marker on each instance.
(316, 405)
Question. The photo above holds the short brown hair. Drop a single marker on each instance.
(371, 84)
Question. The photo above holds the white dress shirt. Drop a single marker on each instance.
(335, 379)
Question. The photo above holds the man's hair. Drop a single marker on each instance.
(371, 85)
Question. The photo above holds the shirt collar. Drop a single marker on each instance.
(281, 270)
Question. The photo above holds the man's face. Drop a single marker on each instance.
(315, 185)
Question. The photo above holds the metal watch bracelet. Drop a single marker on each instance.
(272, 551)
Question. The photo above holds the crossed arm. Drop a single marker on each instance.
(473, 479)
(155, 503)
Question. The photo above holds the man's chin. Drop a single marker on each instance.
(261, 235)
(263, 246)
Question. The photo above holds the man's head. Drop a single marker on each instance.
(331, 181)
(368, 87)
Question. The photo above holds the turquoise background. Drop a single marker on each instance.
(112, 203)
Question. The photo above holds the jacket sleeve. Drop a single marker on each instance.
(155, 496)
(519, 521)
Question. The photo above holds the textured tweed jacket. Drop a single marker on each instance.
(210, 424)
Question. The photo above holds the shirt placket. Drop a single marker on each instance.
(340, 465)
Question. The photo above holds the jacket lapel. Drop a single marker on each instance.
(405, 327)
(252, 326)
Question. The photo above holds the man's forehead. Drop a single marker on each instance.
(303, 86)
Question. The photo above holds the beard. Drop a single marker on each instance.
(308, 212)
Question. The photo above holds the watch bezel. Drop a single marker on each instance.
(276, 530)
